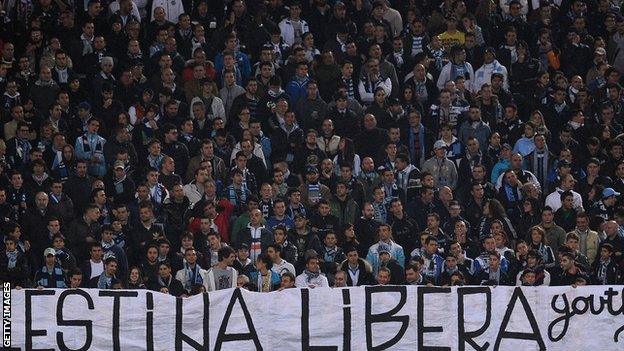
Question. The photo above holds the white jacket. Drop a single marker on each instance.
(368, 96)
(283, 267)
(183, 278)
(256, 151)
(445, 75)
(114, 7)
(554, 200)
(209, 279)
(288, 31)
(484, 75)
(302, 281)
(218, 110)
(173, 9)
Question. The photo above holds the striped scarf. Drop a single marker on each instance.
(56, 274)
(193, 277)
(237, 196)
(12, 258)
(314, 192)
(105, 282)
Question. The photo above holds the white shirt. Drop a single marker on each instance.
(173, 9)
(302, 281)
(283, 267)
(554, 200)
(97, 268)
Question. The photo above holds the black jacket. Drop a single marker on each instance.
(175, 286)
(365, 276)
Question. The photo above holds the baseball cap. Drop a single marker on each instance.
(311, 169)
(85, 106)
(383, 248)
(394, 101)
(608, 192)
(506, 146)
(119, 164)
(49, 251)
(440, 144)
(243, 246)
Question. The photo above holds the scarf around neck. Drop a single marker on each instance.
(311, 275)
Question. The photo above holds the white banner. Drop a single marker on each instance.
(363, 318)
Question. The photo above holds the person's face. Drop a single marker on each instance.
(605, 254)
(451, 262)
(191, 256)
(229, 260)
(100, 197)
(54, 227)
(96, 253)
(460, 228)
(111, 268)
(134, 275)
(163, 249)
(152, 254)
(489, 244)
(582, 223)
(566, 263)
(511, 178)
(41, 200)
(255, 217)
(23, 132)
(93, 127)
(432, 247)
(207, 150)
(368, 212)
(529, 278)
(324, 209)
(611, 228)
(494, 262)
(58, 243)
(75, 280)
(313, 265)
(145, 214)
(164, 271)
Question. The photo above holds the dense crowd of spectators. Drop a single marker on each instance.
(195, 145)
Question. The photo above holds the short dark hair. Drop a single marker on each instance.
(266, 260)
(225, 252)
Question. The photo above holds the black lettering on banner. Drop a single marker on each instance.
(305, 325)
(579, 306)
(385, 317)
(181, 337)
(469, 336)
(30, 333)
(87, 324)
(504, 334)
(251, 335)
(149, 319)
(346, 320)
(422, 329)
(117, 295)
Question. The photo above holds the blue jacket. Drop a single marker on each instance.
(499, 168)
(241, 59)
(88, 146)
(396, 252)
(296, 89)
